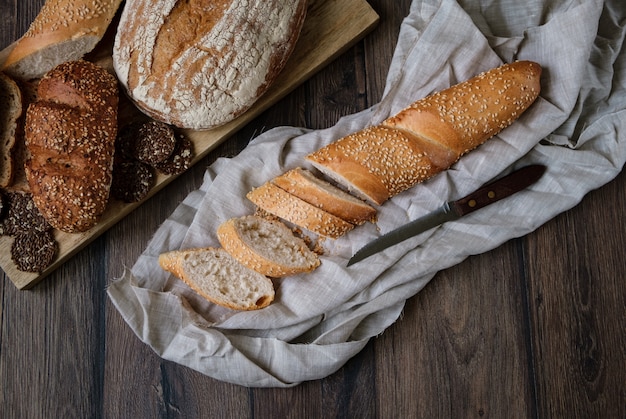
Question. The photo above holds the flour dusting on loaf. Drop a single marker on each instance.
(199, 64)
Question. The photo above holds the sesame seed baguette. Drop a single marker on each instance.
(266, 246)
(308, 187)
(379, 162)
(11, 102)
(64, 30)
(70, 136)
(219, 278)
(274, 200)
(430, 135)
(199, 65)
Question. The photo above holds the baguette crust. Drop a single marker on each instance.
(379, 162)
(64, 30)
(306, 186)
(466, 115)
(431, 134)
(11, 100)
(197, 65)
(266, 246)
(216, 276)
(276, 201)
(70, 135)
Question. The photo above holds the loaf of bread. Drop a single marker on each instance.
(280, 203)
(215, 275)
(310, 188)
(266, 246)
(64, 30)
(200, 64)
(430, 135)
(11, 103)
(70, 135)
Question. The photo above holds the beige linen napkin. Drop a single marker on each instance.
(319, 320)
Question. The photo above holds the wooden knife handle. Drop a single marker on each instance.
(498, 189)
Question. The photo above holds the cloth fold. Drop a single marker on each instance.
(320, 320)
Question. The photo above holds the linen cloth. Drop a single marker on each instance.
(318, 321)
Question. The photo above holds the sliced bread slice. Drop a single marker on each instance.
(11, 103)
(306, 186)
(274, 200)
(215, 275)
(64, 30)
(266, 246)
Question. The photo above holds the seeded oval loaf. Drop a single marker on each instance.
(431, 134)
(64, 30)
(266, 246)
(70, 136)
(308, 187)
(218, 277)
(11, 102)
(274, 200)
(198, 64)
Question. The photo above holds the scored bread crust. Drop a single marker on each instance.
(465, 115)
(64, 30)
(274, 200)
(11, 99)
(308, 187)
(266, 246)
(199, 66)
(379, 162)
(430, 135)
(221, 270)
(70, 136)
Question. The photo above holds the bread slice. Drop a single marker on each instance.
(11, 103)
(216, 276)
(306, 186)
(266, 246)
(64, 30)
(274, 200)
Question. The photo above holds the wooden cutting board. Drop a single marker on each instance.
(331, 27)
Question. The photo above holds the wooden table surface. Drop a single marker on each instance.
(534, 328)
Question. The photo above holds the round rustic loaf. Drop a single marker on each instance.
(198, 64)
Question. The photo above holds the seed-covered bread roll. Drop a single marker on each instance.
(70, 136)
(431, 134)
(198, 64)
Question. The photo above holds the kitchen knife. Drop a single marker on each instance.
(453, 210)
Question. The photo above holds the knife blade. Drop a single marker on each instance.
(453, 210)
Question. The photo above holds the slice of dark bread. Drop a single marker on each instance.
(11, 104)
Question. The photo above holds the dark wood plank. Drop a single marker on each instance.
(52, 342)
(461, 343)
(578, 307)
